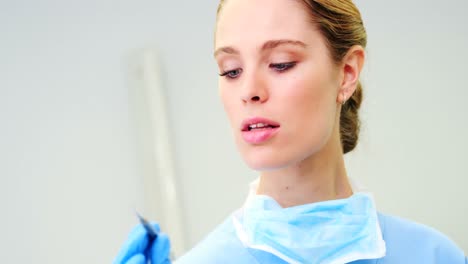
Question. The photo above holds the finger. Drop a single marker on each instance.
(155, 226)
(137, 259)
(135, 244)
(160, 250)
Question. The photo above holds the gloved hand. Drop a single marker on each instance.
(137, 251)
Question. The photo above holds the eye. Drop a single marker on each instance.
(284, 66)
(232, 74)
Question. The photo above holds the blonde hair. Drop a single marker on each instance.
(340, 22)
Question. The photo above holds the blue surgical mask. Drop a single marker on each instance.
(329, 232)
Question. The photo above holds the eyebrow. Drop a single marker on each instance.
(271, 44)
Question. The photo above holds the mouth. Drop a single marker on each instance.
(258, 131)
(258, 126)
(258, 123)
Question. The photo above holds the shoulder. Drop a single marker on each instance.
(406, 240)
(219, 246)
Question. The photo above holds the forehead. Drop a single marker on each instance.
(252, 22)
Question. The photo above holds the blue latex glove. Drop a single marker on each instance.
(137, 251)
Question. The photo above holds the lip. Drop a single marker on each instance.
(258, 136)
(254, 120)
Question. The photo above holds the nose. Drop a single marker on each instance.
(255, 89)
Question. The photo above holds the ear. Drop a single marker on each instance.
(350, 71)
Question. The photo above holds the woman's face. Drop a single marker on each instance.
(279, 85)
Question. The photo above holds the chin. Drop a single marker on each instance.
(265, 162)
(278, 155)
(268, 158)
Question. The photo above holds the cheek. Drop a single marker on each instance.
(309, 106)
(229, 104)
(308, 97)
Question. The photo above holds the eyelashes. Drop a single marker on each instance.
(284, 66)
(232, 74)
(277, 67)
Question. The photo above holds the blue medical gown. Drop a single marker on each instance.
(406, 242)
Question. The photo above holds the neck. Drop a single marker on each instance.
(319, 177)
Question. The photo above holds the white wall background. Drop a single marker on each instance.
(70, 161)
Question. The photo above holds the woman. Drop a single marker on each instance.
(289, 82)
